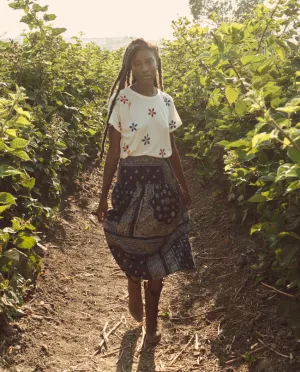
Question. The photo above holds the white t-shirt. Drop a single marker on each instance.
(144, 123)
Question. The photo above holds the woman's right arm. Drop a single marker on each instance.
(111, 163)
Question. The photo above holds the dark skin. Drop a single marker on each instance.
(144, 68)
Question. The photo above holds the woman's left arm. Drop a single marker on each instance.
(177, 167)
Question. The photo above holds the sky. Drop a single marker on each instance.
(149, 19)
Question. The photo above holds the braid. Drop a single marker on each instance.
(160, 75)
(125, 75)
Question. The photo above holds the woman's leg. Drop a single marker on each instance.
(135, 298)
(153, 290)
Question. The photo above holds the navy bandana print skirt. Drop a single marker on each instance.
(147, 227)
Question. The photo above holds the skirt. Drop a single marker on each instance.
(147, 227)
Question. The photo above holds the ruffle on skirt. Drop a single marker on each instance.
(147, 227)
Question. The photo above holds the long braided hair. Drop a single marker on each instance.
(125, 77)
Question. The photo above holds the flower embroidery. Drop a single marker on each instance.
(162, 153)
(133, 127)
(125, 147)
(124, 99)
(172, 124)
(151, 112)
(167, 101)
(146, 140)
(119, 125)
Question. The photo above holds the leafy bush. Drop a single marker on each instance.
(237, 87)
(53, 96)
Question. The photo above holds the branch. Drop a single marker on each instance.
(275, 125)
(278, 291)
(267, 26)
(190, 45)
(238, 75)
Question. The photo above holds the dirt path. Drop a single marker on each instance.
(209, 317)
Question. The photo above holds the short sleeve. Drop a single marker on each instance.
(115, 118)
(174, 118)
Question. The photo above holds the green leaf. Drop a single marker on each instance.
(7, 170)
(294, 155)
(289, 233)
(262, 226)
(12, 254)
(223, 143)
(293, 186)
(18, 143)
(231, 93)
(281, 53)
(49, 17)
(240, 107)
(21, 154)
(4, 207)
(288, 109)
(92, 132)
(239, 143)
(259, 138)
(11, 132)
(287, 171)
(252, 59)
(23, 121)
(24, 241)
(257, 198)
(16, 5)
(28, 182)
(58, 31)
(7, 198)
(38, 8)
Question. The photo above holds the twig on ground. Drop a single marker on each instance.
(197, 315)
(105, 338)
(249, 353)
(196, 347)
(212, 258)
(278, 291)
(219, 328)
(223, 276)
(39, 316)
(120, 357)
(114, 351)
(182, 350)
(275, 351)
(142, 340)
(102, 342)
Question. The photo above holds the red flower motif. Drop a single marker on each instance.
(125, 147)
(124, 99)
(162, 153)
(119, 125)
(151, 112)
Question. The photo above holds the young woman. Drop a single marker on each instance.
(147, 227)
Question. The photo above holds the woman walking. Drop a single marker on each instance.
(147, 227)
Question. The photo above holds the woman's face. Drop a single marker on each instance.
(144, 66)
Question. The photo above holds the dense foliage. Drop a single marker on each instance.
(237, 90)
(237, 87)
(52, 96)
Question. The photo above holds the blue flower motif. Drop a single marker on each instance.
(146, 140)
(133, 127)
(167, 101)
(172, 124)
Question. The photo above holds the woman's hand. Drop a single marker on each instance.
(187, 197)
(102, 209)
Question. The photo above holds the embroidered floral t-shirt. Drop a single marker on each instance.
(144, 123)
